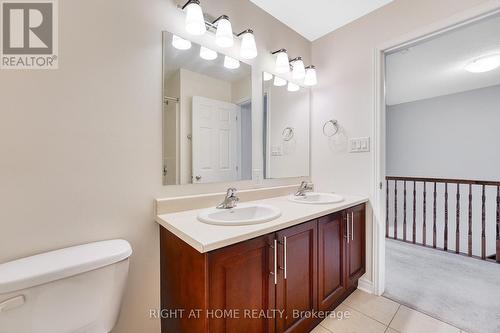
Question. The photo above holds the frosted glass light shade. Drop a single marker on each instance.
(279, 82)
(299, 71)
(207, 54)
(267, 76)
(293, 87)
(224, 33)
(195, 22)
(483, 64)
(180, 43)
(248, 47)
(282, 64)
(310, 79)
(231, 63)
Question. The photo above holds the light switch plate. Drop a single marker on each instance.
(359, 145)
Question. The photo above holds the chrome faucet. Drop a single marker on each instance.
(230, 200)
(303, 188)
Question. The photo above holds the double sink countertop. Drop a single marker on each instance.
(207, 237)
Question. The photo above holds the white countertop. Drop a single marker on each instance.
(206, 237)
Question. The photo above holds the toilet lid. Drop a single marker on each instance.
(54, 265)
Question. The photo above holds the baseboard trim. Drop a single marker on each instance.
(366, 286)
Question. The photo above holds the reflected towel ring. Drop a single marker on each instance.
(334, 128)
(288, 133)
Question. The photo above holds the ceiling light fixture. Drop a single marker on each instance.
(248, 48)
(231, 63)
(298, 69)
(282, 64)
(195, 22)
(224, 33)
(267, 76)
(483, 64)
(310, 78)
(293, 87)
(207, 54)
(180, 43)
(279, 82)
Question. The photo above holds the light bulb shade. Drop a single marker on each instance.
(299, 71)
(293, 87)
(207, 54)
(248, 47)
(224, 33)
(267, 76)
(231, 63)
(483, 64)
(310, 79)
(279, 82)
(282, 64)
(180, 43)
(195, 22)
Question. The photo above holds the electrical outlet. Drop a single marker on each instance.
(359, 145)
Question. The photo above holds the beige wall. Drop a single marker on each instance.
(344, 59)
(81, 147)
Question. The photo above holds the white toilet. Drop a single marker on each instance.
(73, 290)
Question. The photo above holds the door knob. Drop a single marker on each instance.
(198, 178)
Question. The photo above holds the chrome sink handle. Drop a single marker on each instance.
(303, 188)
(230, 200)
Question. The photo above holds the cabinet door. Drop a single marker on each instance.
(296, 291)
(356, 243)
(240, 281)
(331, 254)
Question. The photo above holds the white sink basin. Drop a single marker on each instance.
(242, 214)
(317, 198)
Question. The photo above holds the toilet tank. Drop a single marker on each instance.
(72, 290)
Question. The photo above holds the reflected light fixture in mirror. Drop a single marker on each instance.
(279, 82)
(180, 43)
(248, 47)
(231, 63)
(310, 78)
(282, 64)
(268, 76)
(298, 71)
(195, 22)
(293, 87)
(224, 33)
(207, 54)
(483, 64)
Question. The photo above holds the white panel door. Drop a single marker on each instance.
(215, 140)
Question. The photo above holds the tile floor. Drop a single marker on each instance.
(377, 314)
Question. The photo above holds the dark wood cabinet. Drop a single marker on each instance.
(246, 287)
(355, 244)
(331, 254)
(296, 290)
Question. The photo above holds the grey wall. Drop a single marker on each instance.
(453, 136)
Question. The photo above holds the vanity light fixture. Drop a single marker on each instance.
(180, 43)
(231, 63)
(282, 64)
(268, 76)
(293, 87)
(279, 82)
(195, 22)
(298, 69)
(310, 78)
(248, 47)
(483, 64)
(207, 54)
(224, 33)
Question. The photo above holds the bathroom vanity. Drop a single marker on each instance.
(270, 277)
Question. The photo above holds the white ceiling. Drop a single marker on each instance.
(315, 18)
(436, 67)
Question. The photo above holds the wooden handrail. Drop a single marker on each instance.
(445, 180)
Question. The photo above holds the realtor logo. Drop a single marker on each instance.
(29, 34)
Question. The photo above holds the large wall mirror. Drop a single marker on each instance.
(207, 115)
(286, 128)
